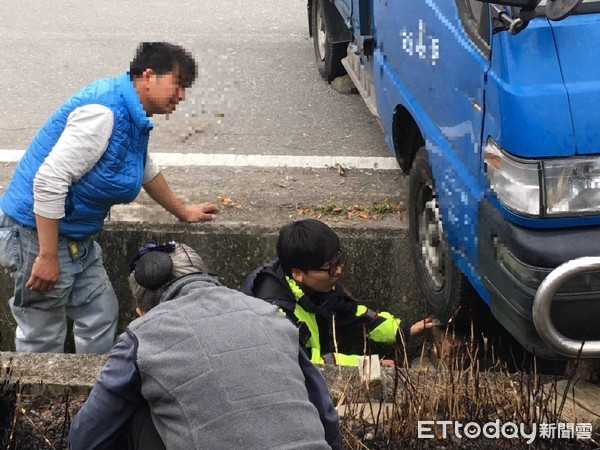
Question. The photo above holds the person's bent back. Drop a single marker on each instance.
(217, 366)
(218, 369)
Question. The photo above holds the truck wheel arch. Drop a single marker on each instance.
(406, 136)
(445, 288)
(335, 21)
(330, 38)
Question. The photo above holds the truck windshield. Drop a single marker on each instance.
(543, 2)
(586, 7)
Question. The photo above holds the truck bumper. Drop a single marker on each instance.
(514, 260)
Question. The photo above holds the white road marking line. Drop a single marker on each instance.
(232, 160)
(10, 156)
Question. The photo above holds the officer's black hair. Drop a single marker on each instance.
(306, 245)
(162, 58)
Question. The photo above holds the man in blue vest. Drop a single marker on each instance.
(91, 154)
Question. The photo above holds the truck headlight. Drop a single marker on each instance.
(570, 187)
(516, 182)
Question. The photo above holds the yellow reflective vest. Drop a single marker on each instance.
(385, 330)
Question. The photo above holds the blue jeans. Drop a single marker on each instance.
(83, 292)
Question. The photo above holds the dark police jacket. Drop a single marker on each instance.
(314, 313)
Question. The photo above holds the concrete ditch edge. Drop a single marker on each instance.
(379, 269)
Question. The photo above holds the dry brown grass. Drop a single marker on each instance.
(463, 385)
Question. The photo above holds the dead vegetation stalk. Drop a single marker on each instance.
(472, 386)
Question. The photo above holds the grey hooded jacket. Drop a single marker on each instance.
(219, 369)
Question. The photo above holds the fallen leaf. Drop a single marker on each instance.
(225, 200)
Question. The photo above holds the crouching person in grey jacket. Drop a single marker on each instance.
(205, 367)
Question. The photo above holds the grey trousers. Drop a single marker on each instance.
(83, 292)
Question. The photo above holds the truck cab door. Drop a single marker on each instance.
(459, 77)
(459, 172)
(461, 112)
(436, 53)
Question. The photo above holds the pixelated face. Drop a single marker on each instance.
(163, 92)
(322, 279)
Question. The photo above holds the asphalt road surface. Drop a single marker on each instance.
(258, 93)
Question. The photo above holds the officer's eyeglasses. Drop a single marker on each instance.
(331, 269)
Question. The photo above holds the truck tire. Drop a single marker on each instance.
(444, 286)
(327, 54)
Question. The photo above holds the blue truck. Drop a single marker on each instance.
(493, 110)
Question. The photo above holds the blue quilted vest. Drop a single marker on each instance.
(116, 177)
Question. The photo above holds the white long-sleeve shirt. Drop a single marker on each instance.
(80, 146)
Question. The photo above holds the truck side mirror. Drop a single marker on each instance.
(527, 4)
(555, 9)
(559, 9)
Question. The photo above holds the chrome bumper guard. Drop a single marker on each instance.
(543, 301)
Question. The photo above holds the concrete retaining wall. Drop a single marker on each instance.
(379, 270)
(52, 375)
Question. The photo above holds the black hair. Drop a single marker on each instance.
(152, 272)
(150, 299)
(162, 58)
(156, 266)
(306, 245)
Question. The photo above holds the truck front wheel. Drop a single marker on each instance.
(443, 285)
(328, 55)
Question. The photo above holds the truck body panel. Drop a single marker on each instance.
(449, 109)
(577, 41)
(526, 89)
(450, 72)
